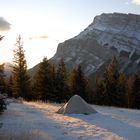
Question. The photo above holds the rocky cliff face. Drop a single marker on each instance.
(108, 35)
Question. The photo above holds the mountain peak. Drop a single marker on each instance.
(116, 23)
(109, 34)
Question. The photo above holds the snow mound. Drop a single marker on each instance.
(76, 105)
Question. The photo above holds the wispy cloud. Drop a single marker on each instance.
(38, 37)
(137, 2)
(4, 25)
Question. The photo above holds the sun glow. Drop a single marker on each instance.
(43, 24)
(40, 32)
(136, 2)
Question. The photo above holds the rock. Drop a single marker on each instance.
(76, 105)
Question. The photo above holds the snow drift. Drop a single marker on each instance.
(76, 105)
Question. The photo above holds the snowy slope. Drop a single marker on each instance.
(38, 121)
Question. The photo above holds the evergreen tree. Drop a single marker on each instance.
(79, 83)
(100, 97)
(137, 92)
(73, 82)
(122, 98)
(54, 84)
(115, 90)
(43, 82)
(21, 80)
(133, 92)
(62, 90)
(130, 91)
(111, 77)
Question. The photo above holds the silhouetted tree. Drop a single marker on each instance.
(130, 91)
(111, 77)
(137, 92)
(100, 97)
(43, 82)
(79, 83)
(133, 92)
(54, 84)
(122, 97)
(62, 90)
(21, 80)
(114, 89)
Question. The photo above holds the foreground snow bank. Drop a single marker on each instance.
(40, 122)
(19, 122)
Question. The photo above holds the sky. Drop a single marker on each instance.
(43, 24)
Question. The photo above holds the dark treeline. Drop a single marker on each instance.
(57, 84)
(48, 84)
(114, 89)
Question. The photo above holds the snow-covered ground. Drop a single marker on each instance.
(38, 121)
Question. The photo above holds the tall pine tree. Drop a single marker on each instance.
(79, 83)
(21, 80)
(137, 92)
(111, 77)
(54, 84)
(133, 92)
(62, 90)
(100, 97)
(114, 89)
(43, 81)
(122, 97)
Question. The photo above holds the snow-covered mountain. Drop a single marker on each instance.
(109, 34)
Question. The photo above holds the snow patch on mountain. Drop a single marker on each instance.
(121, 31)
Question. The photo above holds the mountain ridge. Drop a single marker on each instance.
(109, 34)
